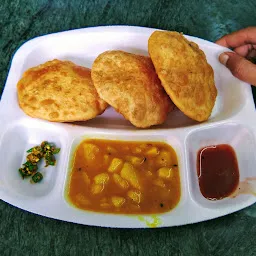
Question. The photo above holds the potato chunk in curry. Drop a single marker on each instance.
(129, 173)
(122, 183)
(90, 151)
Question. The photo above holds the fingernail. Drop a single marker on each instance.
(223, 58)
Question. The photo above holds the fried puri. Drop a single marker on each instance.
(184, 72)
(59, 91)
(129, 83)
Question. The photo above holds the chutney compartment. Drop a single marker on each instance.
(241, 139)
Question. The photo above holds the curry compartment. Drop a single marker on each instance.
(242, 142)
(132, 176)
(17, 140)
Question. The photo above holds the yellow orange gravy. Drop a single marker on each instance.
(124, 177)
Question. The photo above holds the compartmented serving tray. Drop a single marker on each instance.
(233, 121)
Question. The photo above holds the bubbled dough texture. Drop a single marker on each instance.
(184, 72)
(128, 82)
(59, 91)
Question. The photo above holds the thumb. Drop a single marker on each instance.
(239, 66)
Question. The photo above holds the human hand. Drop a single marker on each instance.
(243, 43)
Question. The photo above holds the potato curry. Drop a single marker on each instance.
(124, 177)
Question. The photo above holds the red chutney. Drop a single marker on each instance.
(217, 170)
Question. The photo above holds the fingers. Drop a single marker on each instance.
(243, 42)
(245, 50)
(239, 38)
(239, 66)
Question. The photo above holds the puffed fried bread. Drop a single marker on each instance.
(59, 91)
(129, 83)
(184, 72)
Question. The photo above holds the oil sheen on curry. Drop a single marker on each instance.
(124, 177)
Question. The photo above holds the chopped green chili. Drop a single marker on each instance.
(46, 150)
(49, 159)
(56, 150)
(38, 176)
(30, 150)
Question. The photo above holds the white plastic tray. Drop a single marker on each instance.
(233, 121)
